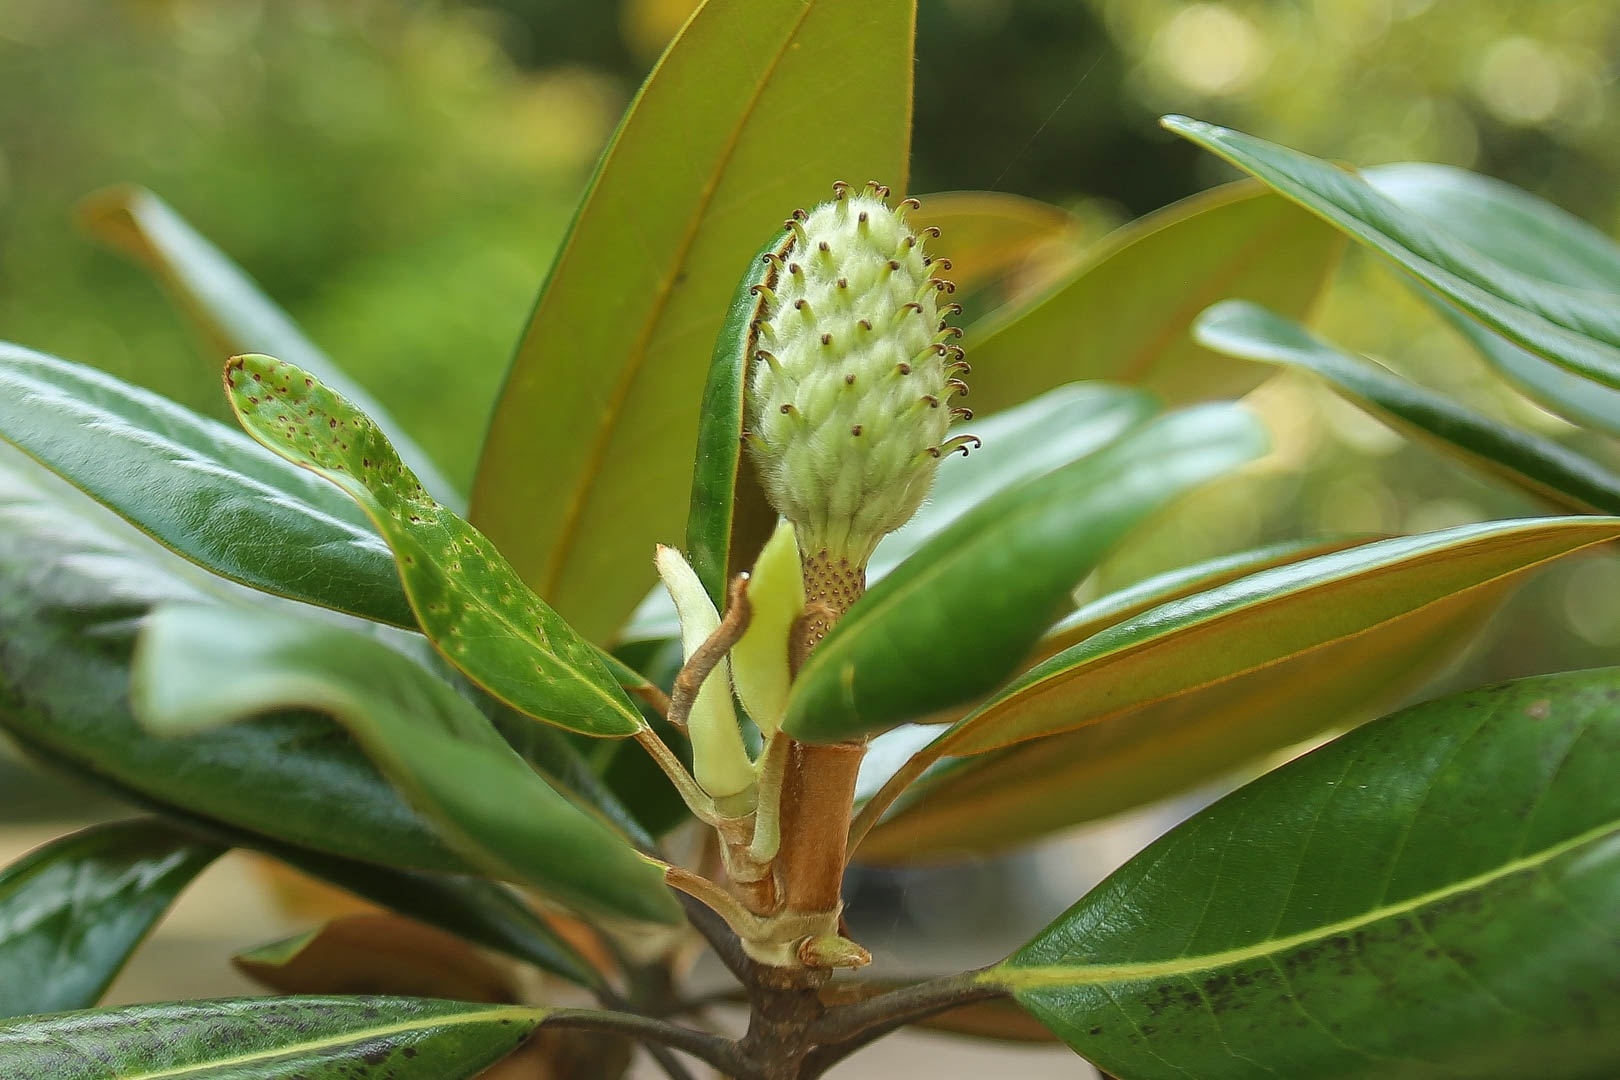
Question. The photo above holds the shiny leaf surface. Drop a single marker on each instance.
(1576, 329)
(1430, 896)
(1529, 234)
(1568, 480)
(968, 807)
(717, 149)
(73, 911)
(467, 598)
(74, 584)
(228, 306)
(1000, 575)
(1123, 313)
(303, 1038)
(1261, 619)
(201, 489)
(1020, 444)
(437, 748)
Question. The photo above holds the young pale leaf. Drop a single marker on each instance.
(1432, 895)
(73, 911)
(312, 1038)
(969, 807)
(228, 306)
(759, 660)
(1539, 465)
(1260, 620)
(199, 488)
(74, 584)
(1576, 329)
(602, 386)
(199, 667)
(1123, 313)
(467, 598)
(1529, 234)
(957, 617)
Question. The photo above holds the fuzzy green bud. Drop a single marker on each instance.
(853, 373)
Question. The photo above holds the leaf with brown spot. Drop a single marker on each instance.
(468, 600)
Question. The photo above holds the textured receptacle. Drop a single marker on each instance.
(853, 374)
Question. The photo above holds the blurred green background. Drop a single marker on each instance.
(397, 174)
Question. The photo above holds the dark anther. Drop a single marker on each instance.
(826, 339)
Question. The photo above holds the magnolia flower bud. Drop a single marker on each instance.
(849, 395)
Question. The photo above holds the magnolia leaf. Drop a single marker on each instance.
(73, 911)
(1260, 620)
(228, 306)
(206, 492)
(1576, 329)
(436, 747)
(1568, 480)
(1432, 894)
(1005, 570)
(1123, 312)
(312, 1038)
(717, 149)
(467, 598)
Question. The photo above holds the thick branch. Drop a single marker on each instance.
(847, 1028)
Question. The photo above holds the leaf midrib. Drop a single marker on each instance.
(1009, 976)
(201, 1068)
(374, 509)
(574, 511)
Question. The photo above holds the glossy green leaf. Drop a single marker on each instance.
(467, 598)
(990, 234)
(74, 584)
(1576, 329)
(1020, 444)
(1150, 592)
(445, 756)
(1123, 313)
(957, 617)
(1529, 234)
(201, 489)
(1260, 620)
(297, 1038)
(717, 149)
(1536, 464)
(73, 911)
(969, 807)
(730, 517)
(1432, 895)
(1508, 224)
(228, 306)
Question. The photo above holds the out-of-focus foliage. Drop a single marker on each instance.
(383, 170)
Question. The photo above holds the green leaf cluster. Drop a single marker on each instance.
(296, 643)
